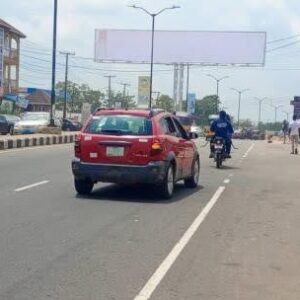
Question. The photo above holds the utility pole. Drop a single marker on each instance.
(66, 80)
(260, 101)
(240, 92)
(53, 64)
(218, 80)
(124, 93)
(109, 86)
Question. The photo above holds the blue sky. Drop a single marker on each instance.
(78, 19)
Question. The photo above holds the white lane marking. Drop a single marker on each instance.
(249, 150)
(27, 187)
(230, 175)
(227, 181)
(34, 148)
(167, 263)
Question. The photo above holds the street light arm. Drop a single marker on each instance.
(141, 8)
(224, 77)
(212, 76)
(167, 8)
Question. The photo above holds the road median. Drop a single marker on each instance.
(21, 141)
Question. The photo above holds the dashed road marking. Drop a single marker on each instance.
(248, 151)
(227, 181)
(27, 187)
(167, 263)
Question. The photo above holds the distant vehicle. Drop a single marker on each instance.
(34, 122)
(135, 146)
(185, 119)
(7, 123)
(196, 130)
(71, 125)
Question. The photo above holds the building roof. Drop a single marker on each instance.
(11, 28)
(39, 98)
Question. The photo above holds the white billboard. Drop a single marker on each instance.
(186, 47)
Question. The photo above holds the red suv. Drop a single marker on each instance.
(134, 146)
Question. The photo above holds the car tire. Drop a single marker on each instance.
(83, 186)
(193, 181)
(11, 130)
(166, 189)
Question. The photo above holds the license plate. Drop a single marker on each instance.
(114, 151)
(218, 146)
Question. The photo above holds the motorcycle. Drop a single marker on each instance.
(219, 151)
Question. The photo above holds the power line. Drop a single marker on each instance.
(284, 39)
(284, 46)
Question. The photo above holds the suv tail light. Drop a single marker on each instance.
(156, 147)
(77, 145)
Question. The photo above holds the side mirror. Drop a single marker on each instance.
(193, 135)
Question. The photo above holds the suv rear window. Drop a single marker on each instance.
(119, 125)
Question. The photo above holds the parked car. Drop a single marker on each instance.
(34, 122)
(7, 123)
(70, 125)
(135, 146)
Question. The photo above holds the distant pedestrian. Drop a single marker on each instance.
(285, 130)
(294, 134)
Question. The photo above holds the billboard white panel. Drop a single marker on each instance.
(187, 47)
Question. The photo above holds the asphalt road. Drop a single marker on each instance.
(244, 242)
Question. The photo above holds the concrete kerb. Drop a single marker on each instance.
(28, 141)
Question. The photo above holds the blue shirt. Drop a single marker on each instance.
(222, 128)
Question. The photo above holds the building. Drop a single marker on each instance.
(39, 100)
(9, 58)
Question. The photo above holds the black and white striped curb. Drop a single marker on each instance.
(36, 141)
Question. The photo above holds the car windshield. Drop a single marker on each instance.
(35, 117)
(184, 120)
(119, 125)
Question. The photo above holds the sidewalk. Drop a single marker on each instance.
(32, 140)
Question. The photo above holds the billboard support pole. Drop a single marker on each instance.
(152, 50)
(187, 83)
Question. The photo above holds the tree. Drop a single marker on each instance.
(119, 99)
(79, 94)
(206, 107)
(165, 102)
(247, 123)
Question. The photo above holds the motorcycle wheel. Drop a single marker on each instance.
(219, 161)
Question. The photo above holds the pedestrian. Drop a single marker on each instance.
(285, 130)
(294, 134)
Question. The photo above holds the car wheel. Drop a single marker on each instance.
(193, 181)
(166, 189)
(11, 130)
(83, 187)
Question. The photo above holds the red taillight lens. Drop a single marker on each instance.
(77, 146)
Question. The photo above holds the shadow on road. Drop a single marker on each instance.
(225, 167)
(138, 193)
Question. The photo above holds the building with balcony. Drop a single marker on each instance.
(9, 58)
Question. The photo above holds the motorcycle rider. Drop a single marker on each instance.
(223, 128)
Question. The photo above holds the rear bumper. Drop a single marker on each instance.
(152, 173)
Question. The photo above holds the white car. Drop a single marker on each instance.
(197, 130)
(34, 122)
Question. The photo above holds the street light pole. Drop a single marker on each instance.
(152, 15)
(66, 81)
(218, 80)
(276, 107)
(260, 101)
(287, 115)
(240, 92)
(53, 65)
